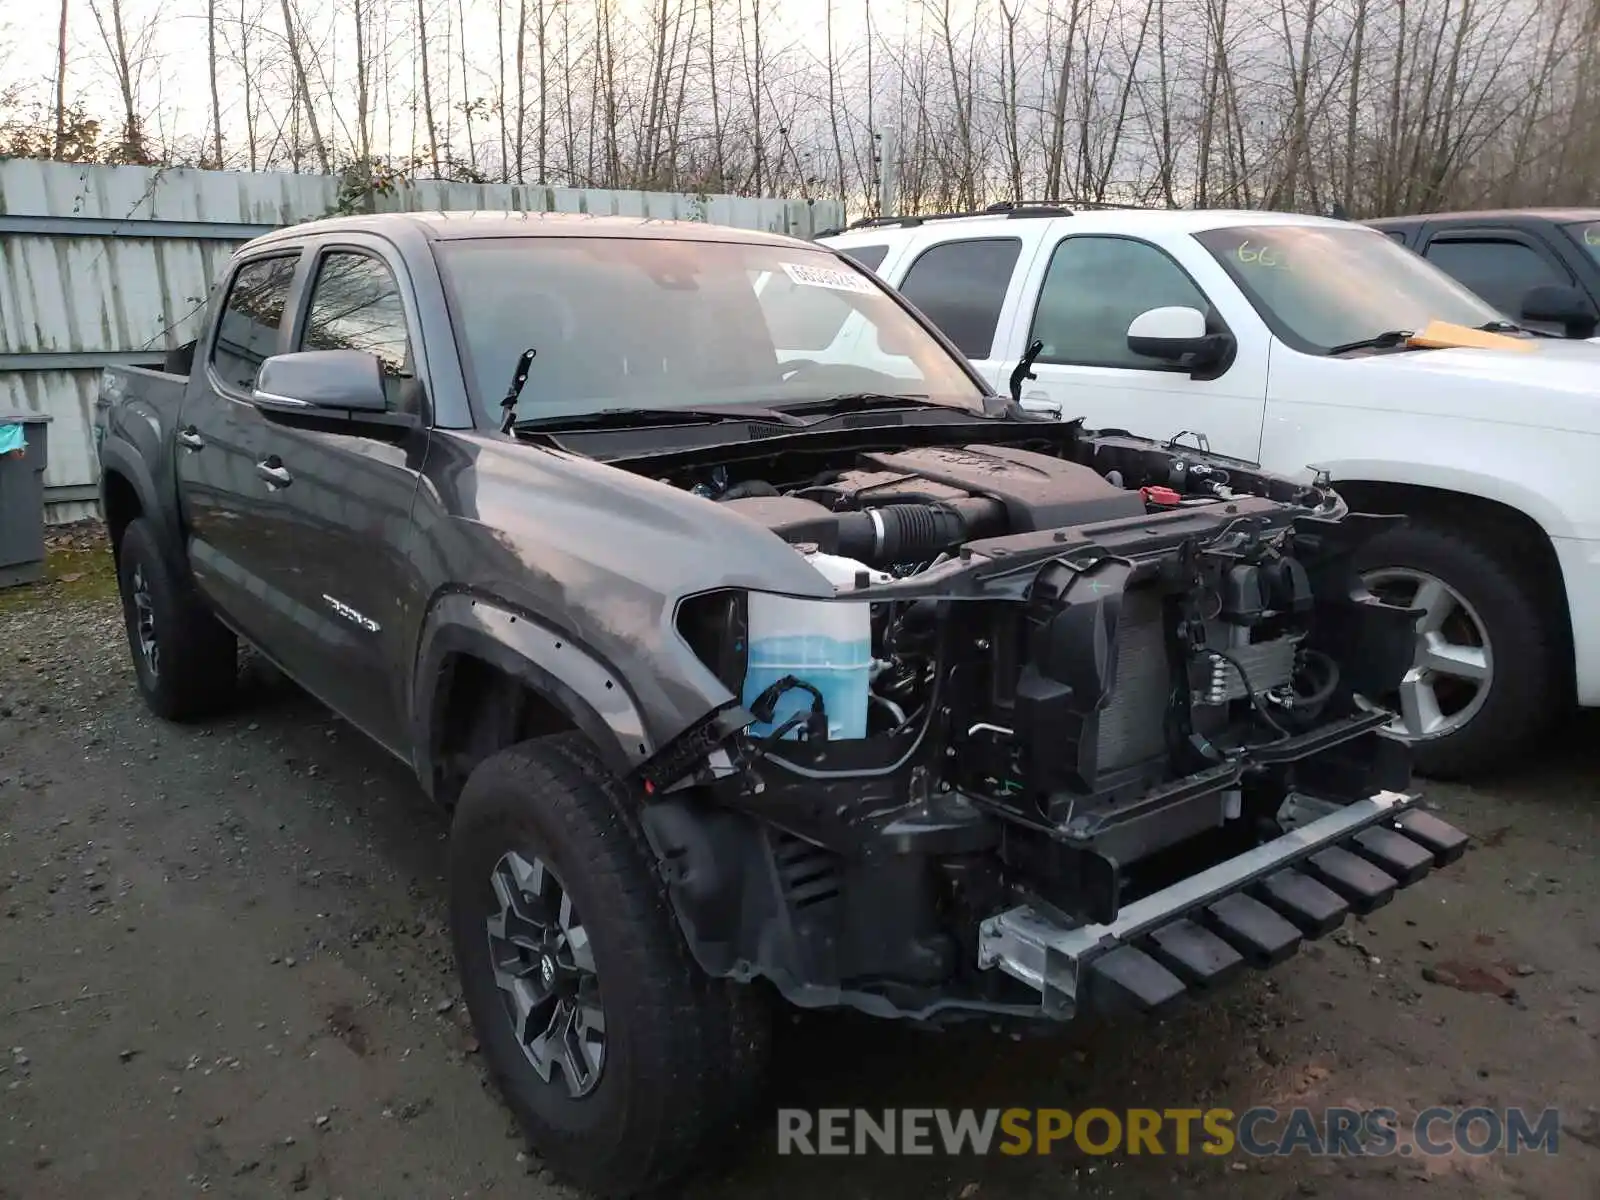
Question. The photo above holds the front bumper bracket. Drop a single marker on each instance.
(1252, 910)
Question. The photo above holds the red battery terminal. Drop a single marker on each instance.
(1163, 497)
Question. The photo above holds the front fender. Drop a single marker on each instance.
(589, 693)
(1549, 512)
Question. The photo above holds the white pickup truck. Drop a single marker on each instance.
(1289, 341)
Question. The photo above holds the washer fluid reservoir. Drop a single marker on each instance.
(824, 643)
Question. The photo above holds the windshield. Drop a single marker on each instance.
(647, 323)
(1322, 286)
(1588, 235)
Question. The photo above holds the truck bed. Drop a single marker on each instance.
(159, 388)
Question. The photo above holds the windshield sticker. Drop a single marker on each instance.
(829, 277)
(1262, 256)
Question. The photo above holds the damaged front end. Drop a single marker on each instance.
(1085, 726)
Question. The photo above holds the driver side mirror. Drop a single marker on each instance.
(1561, 304)
(339, 382)
(1177, 334)
(339, 391)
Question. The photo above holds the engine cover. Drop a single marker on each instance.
(1037, 490)
(908, 506)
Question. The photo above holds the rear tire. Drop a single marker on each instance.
(1488, 618)
(186, 661)
(679, 1055)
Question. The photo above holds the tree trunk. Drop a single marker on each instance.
(544, 124)
(244, 70)
(833, 106)
(718, 164)
(500, 89)
(211, 71)
(522, 86)
(566, 94)
(304, 87)
(756, 87)
(132, 148)
(1056, 156)
(61, 84)
(1012, 114)
(363, 87)
(1357, 61)
(427, 85)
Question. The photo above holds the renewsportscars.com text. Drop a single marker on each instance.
(1259, 1132)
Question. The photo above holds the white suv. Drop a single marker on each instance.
(1286, 340)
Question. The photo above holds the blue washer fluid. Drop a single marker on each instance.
(824, 643)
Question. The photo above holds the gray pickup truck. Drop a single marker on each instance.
(762, 652)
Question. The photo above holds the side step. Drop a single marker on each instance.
(1252, 911)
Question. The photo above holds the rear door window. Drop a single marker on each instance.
(961, 287)
(1500, 270)
(252, 314)
(870, 257)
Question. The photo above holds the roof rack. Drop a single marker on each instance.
(1114, 206)
(1004, 208)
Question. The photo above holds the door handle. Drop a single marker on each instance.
(190, 439)
(274, 472)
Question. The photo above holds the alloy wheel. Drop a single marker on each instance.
(144, 620)
(1452, 667)
(544, 968)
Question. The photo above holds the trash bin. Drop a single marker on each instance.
(22, 496)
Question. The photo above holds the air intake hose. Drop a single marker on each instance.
(910, 532)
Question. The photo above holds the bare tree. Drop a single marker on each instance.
(127, 56)
(1290, 103)
(296, 36)
(427, 84)
(755, 83)
(363, 80)
(61, 83)
(1055, 161)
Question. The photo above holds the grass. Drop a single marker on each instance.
(78, 570)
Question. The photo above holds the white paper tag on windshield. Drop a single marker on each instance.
(829, 277)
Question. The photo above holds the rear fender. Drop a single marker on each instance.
(121, 457)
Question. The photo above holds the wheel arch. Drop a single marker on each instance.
(128, 492)
(1512, 530)
(488, 676)
(120, 505)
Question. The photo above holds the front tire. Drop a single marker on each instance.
(621, 1060)
(1486, 680)
(186, 661)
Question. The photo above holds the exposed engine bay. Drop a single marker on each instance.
(1064, 672)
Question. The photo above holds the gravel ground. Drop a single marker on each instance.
(225, 970)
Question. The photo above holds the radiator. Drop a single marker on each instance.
(1132, 723)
